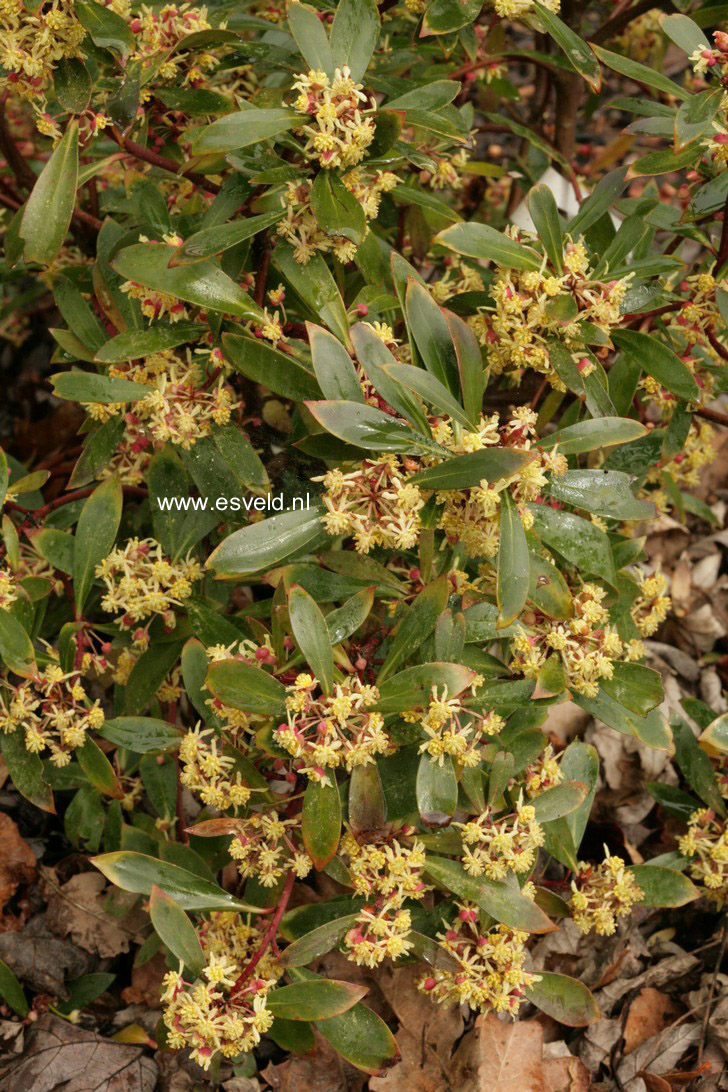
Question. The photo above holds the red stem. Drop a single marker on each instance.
(269, 936)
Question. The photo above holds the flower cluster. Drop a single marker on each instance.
(706, 843)
(387, 872)
(452, 729)
(642, 38)
(532, 307)
(33, 40)
(586, 643)
(602, 893)
(210, 773)
(514, 9)
(53, 712)
(301, 229)
(158, 31)
(491, 976)
(697, 451)
(141, 581)
(220, 1012)
(651, 607)
(325, 731)
(493, 848)
(375, 503)
(8, 589)
(543, 774)
(265, 847)
(341, 126)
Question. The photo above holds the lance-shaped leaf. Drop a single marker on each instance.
(365, 426)
(318, 942)
(133, 344)
(241, 129)
(277, 371)
(685, 33)
(246, 687)
(412, 688)
(367, 803)
(316, 1000)
(139, 873)
(431, 390)
(417, 624)
(203, 284)
(659, 361)
(312, 636)
(336, 209)
(470, 365)
(315, 285)
(98, 769)
(221, 237)
(95, 535)
(513, 566)
(714, 738)
(49, 208)
(428, 327)
(593, 434)
(354, 34)
(12, 992)
(559, 800)
(437, 791)
(577, 540)
(266, 544)
(485, 243)
(695, 116)
(464, 471)
(140, 734)
(446, 16)
(576, 50)
(375, 358)
(89, 387)
(310, 36)
(545, 215)
(106, 27)
(663, 886)
(635, 686)
(175, 929)
(604, 492)
(321, 820)
(640, 73)
(565, 999)
(501, 899)
(16, 647)
(26, 770)
(344, 621)
(333, 366)
(696, 766)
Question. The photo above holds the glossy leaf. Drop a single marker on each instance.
(559, 800)
(317, 1000)
(417, 624)
(133, 344)
(513, 563)
(412, 688)
(576, 539)
(277, 371)
(333, 366)
(311, 38)
(245, 687)
(485, 243)
(26, 770)
(446, 16)
(365, 426)
(95, 535)
(215, 240)
(49, 208)
(502, 900)
(140, 734)
(321, 820)
(577, 51)
(659, 361)
(139, 873)
(78, 386)
(464, 471)
(318, 942)
(175, 929)
(243, 128)
(602, 492)
(714, 739)
(367, 802)
(336, 208)
(564, 999)
(663, 886)
(545, 215)
(594, 434)
(16, 647)
(437, 791)
(265, 544)
(312, 636)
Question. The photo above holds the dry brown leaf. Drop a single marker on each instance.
(322, 1070)
(564, 1075)
(77, 909)
(511, 1055)
(649, 1013)
(59, 1055)
(17, 861)
(146, 983)
(661, 1053)
(41, 960)
(653, 1083)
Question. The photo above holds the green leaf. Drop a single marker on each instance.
(175, 929)
(354, 34)
(264, 545)
(95, 535)
(107, 29)
(72, 84)
(437, 791)
(89, 387)
(715, 737)
(333, 366)
(431, 390)
(312, 636)
(695, 116)
(640, 73)
(599, 201)
(133, 344)
(651, 729)
(594, 434)
(344, 621)
(576, 50)
(316, 1000)
(684, 33)
(604, 492)
(215, 240)
(12, 992)
(376, 359)
(26, 770)
(548, 589)
(49, 208)
(412, 688)
(484, 242)
(417, 624)
(203, 284)
(139, 873)
(635, 686)
(318, 942)
(502, 900)
(564, 999)
(513, 565)
(696, 767)
(361, 1038)
(243, 128)
(16, 648)
(321, 821)
(663, 886)
(659, 361)
(672, 799)
(316, 287)
(464, 471)
(245, 687)
(559, 800)
(365, 426)
(336, 208)
(56, 547)
(238, 452)
(279, 372)
(140, 734)
(98, 769)
(446, 16)
(545, 215)
(580, 763)
(576, 539)
(310, 36)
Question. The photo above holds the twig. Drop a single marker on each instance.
(713, 415)
(23, 173)
(722, 255)
(711, 991)
(269, 936)
(148, 156)
(621, 18)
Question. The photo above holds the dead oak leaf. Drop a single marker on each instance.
(17, 861)
(510, 1055)
(59, 1055)
(650, 1013)
(76, 909)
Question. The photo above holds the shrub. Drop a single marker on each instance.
(286, 265)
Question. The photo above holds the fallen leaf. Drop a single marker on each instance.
(59, 1055)
(564, 1075)
(17, 862)
(77, 909)
(654, 1083)
(42, 960)
(322, 1070)
(649, 1013)
(661, 1053)
(146, 982)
